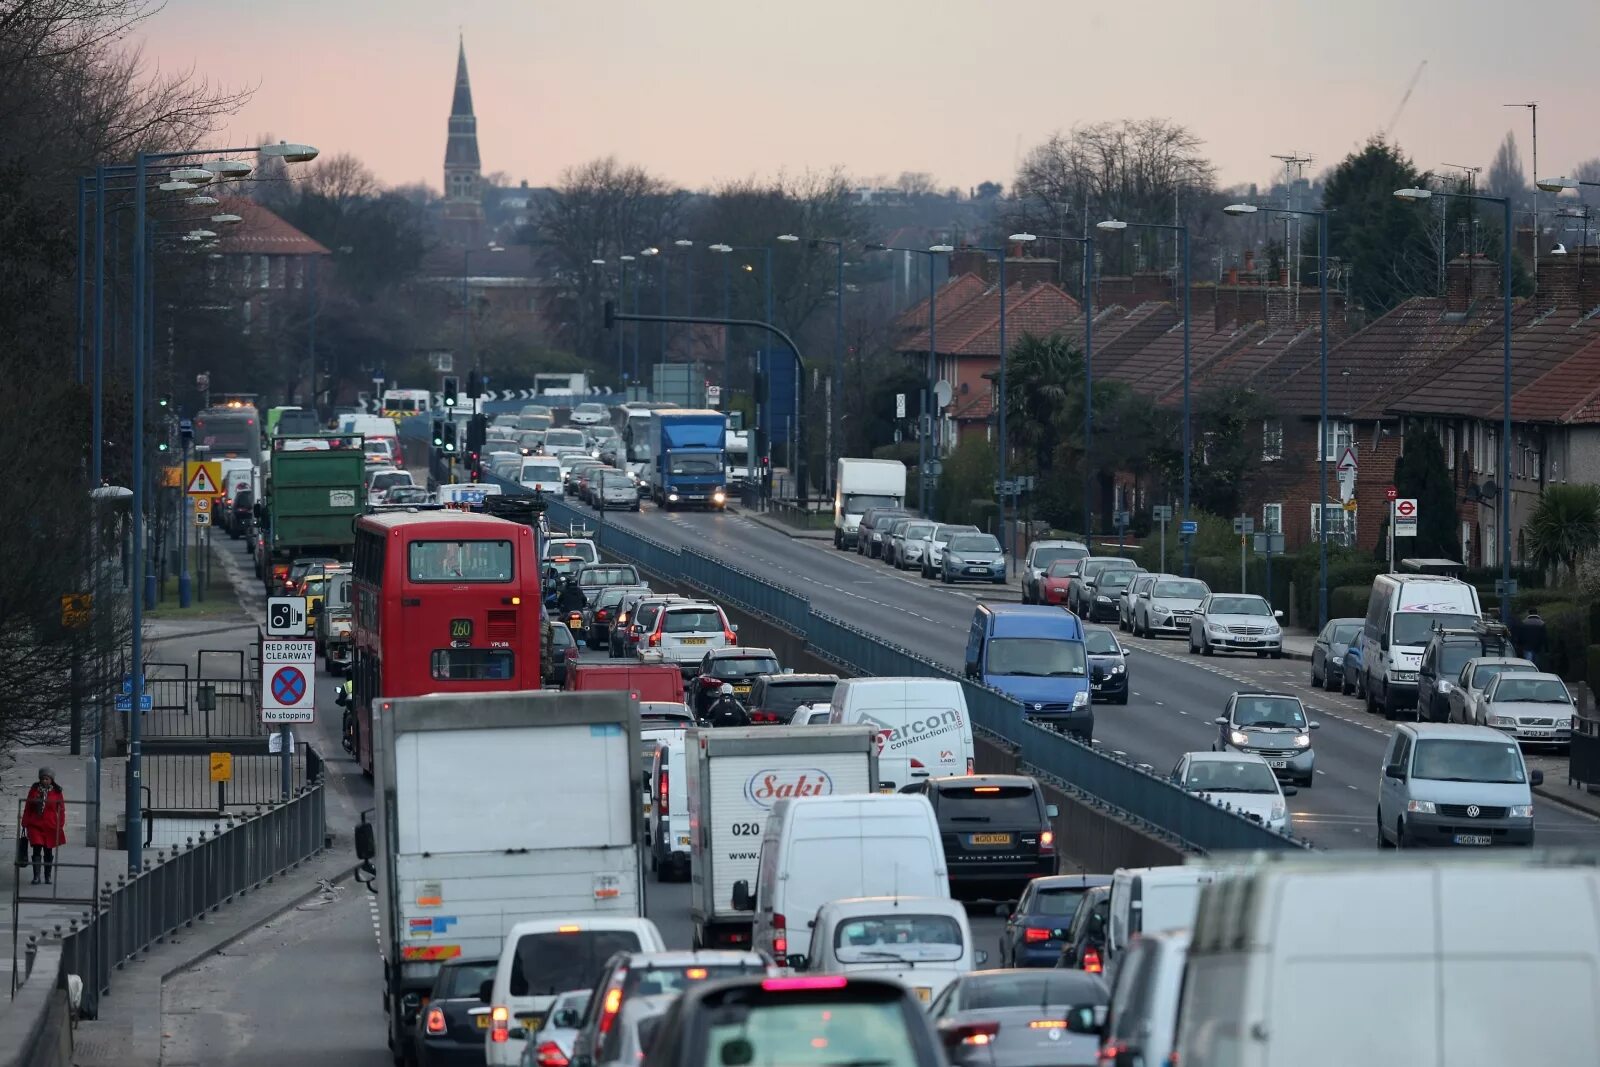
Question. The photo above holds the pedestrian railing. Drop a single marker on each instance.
(181, 783)
(1133, 790)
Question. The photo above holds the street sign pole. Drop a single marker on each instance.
(1391, 537)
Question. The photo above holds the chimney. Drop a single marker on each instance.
(1027, 273)
(971, 261)
(1469, 279)
(1283, 277)
(1233, 275)
(1249, 261)
(1570, 281)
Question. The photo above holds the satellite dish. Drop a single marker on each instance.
(942, 394)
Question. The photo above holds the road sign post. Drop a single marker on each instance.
(1244, 526)
(288, 695)
(1162, 513)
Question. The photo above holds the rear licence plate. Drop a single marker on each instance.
(531, 1022)
(742, 690)
(1473, 839)
(924, 993)
(483, 1022)
(683, 839)
(991, 839)
(691, 640)
(1278, 764)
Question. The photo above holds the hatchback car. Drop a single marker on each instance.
(971, 557)
(633, 975)
(1130, 596)
(1109, 588)
(1040, 555)
(1236, 780)
(685, 632)
(1021, 1018)
(1081, 596)
(614, 491)
(911, 543)
(1327, 654)
(1083, 944)
(559, 649)
(450, 1032)
(1273, 726)
(1163, 606)
(1055, 587)
(933, 545)
(1534, 708)
(588, 415)
(1035, 929)
(604, 607)
(738, 667)
(774, 697)
(551, 1044)
(1108, 665)
(996, 832)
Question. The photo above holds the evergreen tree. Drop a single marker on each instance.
(1421, 474)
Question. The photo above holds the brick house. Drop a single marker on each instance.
(266, 261)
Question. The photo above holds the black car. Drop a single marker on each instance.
(451, 1029)
(1036, 930)
(774, 697)
(1446, 653)
(1108, 665)
(1105, 599)
(604, 606)
(735, 665)
(1083, 944)
(996, 832)
(805, 1019)
(557, 649)
(240, 513)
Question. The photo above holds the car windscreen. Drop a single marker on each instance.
(1017, 989)
(1062, 568)
(694, 464)
(744, 666)
(1003, 805)
(787, 697)
(408, 494)
(1112, 582)
(901, 936)
(1057, 900)
(1484, 673)
(463, 980)
(1268, 711)
(1231, 776)
(808, 1031)
(1040, 657)
(1347, 632)
(1179, 590)
(391, 479)
(563, 439)
(549, 963)
(1046, 556)
(1239, 605)
(1532, 691)
(625, 575)
(691, 621)
(1455, 760)
(859, 503)
(974, 543)
(562, 637)
(563, 568)
(1096, 567)
(670, 981)
(541, 472)
(1453, 655)
(1414, 627)
(944, 533)
(1101, 643)
(916, 531)
(455, 561)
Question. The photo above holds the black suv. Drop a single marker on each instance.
(1447, 652)
(736, 665)
(774, 697)
(996, 832)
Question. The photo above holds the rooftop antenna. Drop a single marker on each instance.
(1533, 109)
(1293, 170)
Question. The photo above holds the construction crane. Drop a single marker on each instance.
(1411, 87)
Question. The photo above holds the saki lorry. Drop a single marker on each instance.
(733, 777)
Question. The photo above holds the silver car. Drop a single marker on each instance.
(1040, 555)
(1534, 708)
(910, 544)
(558, 1031)
(1129, 597)
(973, 557)
(1235, 622)
(1273, 726)
(1005, 1006)
(933, 545)
(614, 491)
(1474, 678)
(1164, 606)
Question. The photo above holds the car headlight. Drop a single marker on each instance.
(1238, 737)
(718, 497)
(1520, 811)
(1302, 740)
(1102, 600)
(1441, 686)
(1277, 812)
(673, 497)
(1118, 669)
(1421, 807)
(1502, 720)
(1220, 631)
(1080, 700)
(1563, 724)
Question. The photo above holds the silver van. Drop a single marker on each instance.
(1445, 784)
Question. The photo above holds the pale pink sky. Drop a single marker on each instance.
(701, 90)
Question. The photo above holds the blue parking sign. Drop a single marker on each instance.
(1189, 526)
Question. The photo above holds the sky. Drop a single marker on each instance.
(701, 91)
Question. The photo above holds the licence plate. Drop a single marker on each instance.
(1278, 764)
(1245, 640)
(692, 641)
(742, 690)
(531, 1022)
(924, 993)
(1097, 686)
(977, 570)
(1538, 733)
(483, 1022)
(683, 839)
(887, 789)
(1473, 839)
(991, 839)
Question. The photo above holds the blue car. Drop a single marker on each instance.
(1035, 655)
(1350, 675)
(1035, 930)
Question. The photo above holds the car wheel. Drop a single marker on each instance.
(1346, 686)
(1316, 682)
(944, 576)
(1191, 643)
(1383, 840)
(1205, 646)
(1386, 703)
(1366, 696)
(1277, 653)
(1327, 681)
(1399, 833)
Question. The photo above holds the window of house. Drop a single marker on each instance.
(1339, 436)
(1491, 450)
(1271, 439)
(264, 268)
(1340, 524)
(1450, 447)
(1272, 518)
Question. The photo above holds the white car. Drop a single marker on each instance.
(559, 1029)
(1237, 780)
(383, 479)
(588, 415)
(1236, 622)
(1164, 605)
(685, 632)
(1466, 696)
(924, 943)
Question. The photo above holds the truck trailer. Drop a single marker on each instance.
(314, 489)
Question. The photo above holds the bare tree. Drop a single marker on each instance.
(1506, 177)
(915, 183)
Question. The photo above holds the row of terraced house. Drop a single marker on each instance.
(1433, 360)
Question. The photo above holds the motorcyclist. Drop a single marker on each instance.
(726, 710)
(571, 598)
(345, 698)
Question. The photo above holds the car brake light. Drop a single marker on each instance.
(666, 788)
(655, 639)
(973, 1033)
(1047, 841)
(695, 974)
(709, 681)
(986, 789)
(602, 613)
(1091, 961)
(732, 638)
(550, 1055)
(828, 981)
(500, 1023)
(570, 928)
(613, 1003)
(1034, 934)
(436, 1023)
(780, 936)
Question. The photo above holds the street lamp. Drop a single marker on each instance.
(1088, 373)
(1117, 225)
(761, 427)
(622, 288)
(1324, 449)
(924, 445)
(1559, 185)
(838, 338)
(1504, 504)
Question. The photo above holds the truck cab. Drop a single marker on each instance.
(690, 464)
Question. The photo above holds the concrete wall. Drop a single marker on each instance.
(36, 1026)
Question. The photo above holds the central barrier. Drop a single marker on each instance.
(1130, 789)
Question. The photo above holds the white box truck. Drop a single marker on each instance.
(732, 777)
(863, 484)
(492, 809)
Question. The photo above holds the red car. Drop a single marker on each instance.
(1057, 581)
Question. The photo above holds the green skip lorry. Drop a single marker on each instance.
(312, 491)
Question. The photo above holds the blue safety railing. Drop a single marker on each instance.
(1131, 789)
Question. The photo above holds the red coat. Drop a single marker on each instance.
(47, 824)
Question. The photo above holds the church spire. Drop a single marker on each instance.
(462, 105)
(463, 172)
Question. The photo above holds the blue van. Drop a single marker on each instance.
(1034, 654)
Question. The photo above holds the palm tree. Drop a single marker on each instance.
(1565, 526)
(1044, 388)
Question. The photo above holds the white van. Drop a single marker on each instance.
(669, 807)
(923, 726)
(544, 957)
(1150, 898)
(542, 473)
(1333, 959)
(924, 943)
(1402, 612)
(817, 849)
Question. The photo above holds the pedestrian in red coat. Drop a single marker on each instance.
(44, 818)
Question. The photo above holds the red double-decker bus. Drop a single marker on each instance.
(445, 602)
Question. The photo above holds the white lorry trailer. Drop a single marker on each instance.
(732, 777)
(862, 484)
(495, 808)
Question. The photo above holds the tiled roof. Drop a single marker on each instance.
(1469, 381)
(974, 407)
(949, 300)
(261, 232)
(1042, 310)
(1158, 366)
(1246, 363)
(1568, 393)
(1122, 337)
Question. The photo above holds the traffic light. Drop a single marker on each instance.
(165, 401)
(474, 385)
(477, 432)
(186, 433)
(438, 429)
(450, 387)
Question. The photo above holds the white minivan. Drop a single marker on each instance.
(923, 726)
(1333, 959)
(817, 849)
(542, 473)
(1150, 898)
(1402, 612)
(544, 957)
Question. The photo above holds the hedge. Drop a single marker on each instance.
(1593, 656)
(1348, 601)
(1567, 640)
